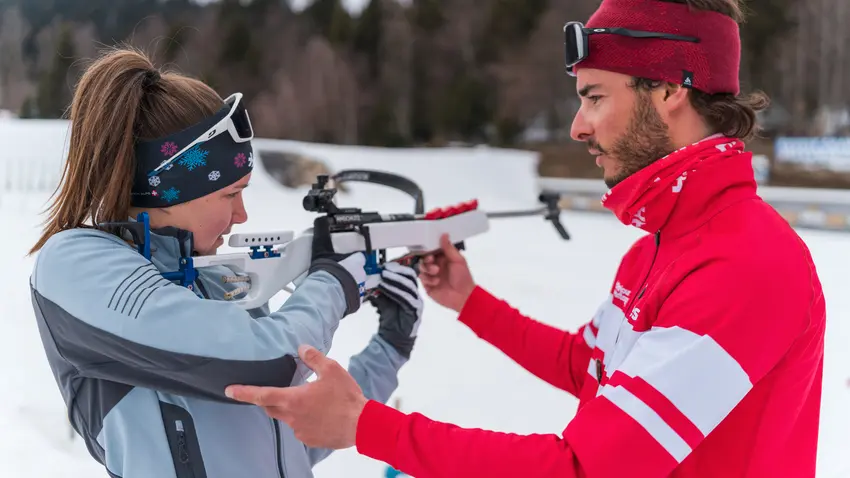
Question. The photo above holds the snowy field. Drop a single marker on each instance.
(453, 376)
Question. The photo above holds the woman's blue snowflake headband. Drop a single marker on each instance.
(197, 161)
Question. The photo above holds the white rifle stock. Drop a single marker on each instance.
(270, 270)
(278, 258)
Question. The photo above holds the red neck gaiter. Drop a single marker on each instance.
(646, 199)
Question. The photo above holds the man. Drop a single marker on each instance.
(705, 360)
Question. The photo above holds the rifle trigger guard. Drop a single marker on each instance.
(363, 229)
(372, 267)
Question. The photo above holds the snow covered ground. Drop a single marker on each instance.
(453, 376)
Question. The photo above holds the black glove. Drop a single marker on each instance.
(347, 268)
(399, 307)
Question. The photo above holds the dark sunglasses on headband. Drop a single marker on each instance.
(236, 122)
(576, 45)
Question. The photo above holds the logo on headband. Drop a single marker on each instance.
(687, 79)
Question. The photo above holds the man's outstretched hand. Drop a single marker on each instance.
(323, 413)
(446, 277)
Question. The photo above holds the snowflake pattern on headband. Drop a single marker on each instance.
(194, 158)
(200, 170)
(171, 194)
(169, 148)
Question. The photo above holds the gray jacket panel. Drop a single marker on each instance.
(142, 363)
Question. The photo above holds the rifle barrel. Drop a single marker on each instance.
(521, 213)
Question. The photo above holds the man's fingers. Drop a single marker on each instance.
(429, 269)
(449, 249)
(430, 289)
(428, 281)
(428, 277)
(315, 360)
(261, 396)
(280, 413)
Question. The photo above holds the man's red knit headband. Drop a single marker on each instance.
(712, 64)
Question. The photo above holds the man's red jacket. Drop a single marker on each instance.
(705, 359)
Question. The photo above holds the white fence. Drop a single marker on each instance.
(32, 153)
(827, 209)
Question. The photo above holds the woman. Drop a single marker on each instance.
(141, 362)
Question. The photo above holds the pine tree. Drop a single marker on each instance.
(331, 19)
(54, 90)
(341, 26)
(368, 35)
(510, 24)
(428, 15)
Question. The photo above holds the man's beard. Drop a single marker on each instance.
(645, 141)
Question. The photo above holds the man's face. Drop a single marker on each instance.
(620, 125)
(209, 217)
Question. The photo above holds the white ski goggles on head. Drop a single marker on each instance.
(236, 122)
(577, 43)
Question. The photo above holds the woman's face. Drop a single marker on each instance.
(208, 218)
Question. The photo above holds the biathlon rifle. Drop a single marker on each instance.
(278, 258)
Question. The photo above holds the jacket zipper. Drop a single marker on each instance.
(182, 447)
(642, 289)
(277, 448)
(600, 373)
